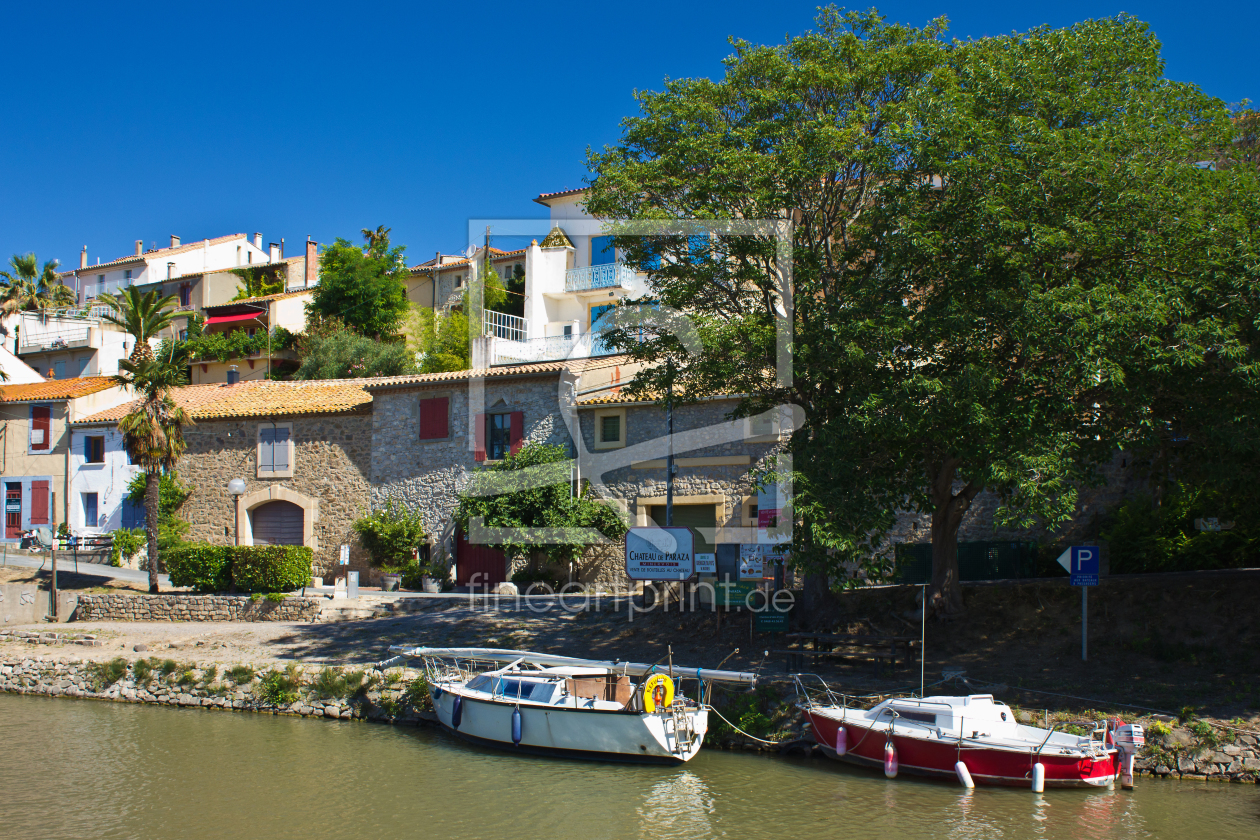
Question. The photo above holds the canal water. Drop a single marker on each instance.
(87, 769)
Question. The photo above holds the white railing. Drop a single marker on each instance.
(607, 276)
(549, 349)
(503, 325)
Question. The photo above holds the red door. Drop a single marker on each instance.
(478, 565)
(13, 510)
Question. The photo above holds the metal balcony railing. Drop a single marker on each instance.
(607, 276)
(549, 349)
(503, 325)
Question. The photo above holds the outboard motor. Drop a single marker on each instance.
(1129, 738)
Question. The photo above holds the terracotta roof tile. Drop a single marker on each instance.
(164, 252)
(575, 365)
(55, 389)
(542, 199)
(260, 298)
(498, 255)
(259, 398)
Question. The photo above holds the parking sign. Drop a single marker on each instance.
(1081, 562)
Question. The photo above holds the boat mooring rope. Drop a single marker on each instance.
(742, 732)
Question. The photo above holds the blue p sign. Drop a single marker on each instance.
(1084, 568)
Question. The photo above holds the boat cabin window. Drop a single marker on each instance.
(481, 683)
(539, 692)
(917, 717)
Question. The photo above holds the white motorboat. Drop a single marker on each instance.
(564, 706)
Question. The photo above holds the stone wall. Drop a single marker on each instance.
(428, 475)
(194, 608)
(332, 457)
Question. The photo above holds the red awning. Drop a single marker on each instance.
(223, 319)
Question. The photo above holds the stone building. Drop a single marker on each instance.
(303, 450)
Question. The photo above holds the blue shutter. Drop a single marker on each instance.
(83, 363)
(59, 370)
(89, 510)
(280, 449)
(266, 449)
(87, 449)
(132, 514)
(602, 250)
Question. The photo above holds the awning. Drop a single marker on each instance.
(223, 319)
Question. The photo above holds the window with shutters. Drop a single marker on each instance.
(435, 418)
(90, 505)
(39, 501)
(499, 435)
(132, 514)
(94, 449)
(275, 450)
(610, 428)
(41, 428)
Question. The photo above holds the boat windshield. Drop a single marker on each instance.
(538, 692)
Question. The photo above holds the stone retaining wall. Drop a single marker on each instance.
(194, 608)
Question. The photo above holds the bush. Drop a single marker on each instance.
(205, 568)
(271, 568)
(127, 542)
(240, 674)
(391, 535)
(279, 688)
(249, 568)
(102, 675)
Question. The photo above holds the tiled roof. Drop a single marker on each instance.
(165, 252)
(260, 298)
(259, 398)
(542, 199)
(497, 255)
(575, 365)
(55, 389)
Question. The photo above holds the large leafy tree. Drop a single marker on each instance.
(332, 351)
(142, 315)
(153, 430)
(533, 490)
(997, 252)
(365, 288)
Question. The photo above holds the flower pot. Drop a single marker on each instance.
(429, 584)
(390, 582)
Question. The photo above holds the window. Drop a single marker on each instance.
(498, 435)
(94, 449)
(762, 427)
(610, 428)
(434, 418)
(83, 363)
(568, 331)
(89, 510)
(41, 427)
(132, 514)
(183, 335)
(185, 295)
(748, 512)
(59, 370)
(602, 250)
(599, 316)
(275, 450)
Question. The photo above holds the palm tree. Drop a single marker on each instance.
(153, 432)
(28, 286)
(144, 316)
(378, 237)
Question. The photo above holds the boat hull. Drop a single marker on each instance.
(587, 734)
(987, 765)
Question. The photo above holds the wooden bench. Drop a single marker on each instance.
(879, 649)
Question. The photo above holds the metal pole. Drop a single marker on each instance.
(1084, 623)
(669, 453)
(922, 637)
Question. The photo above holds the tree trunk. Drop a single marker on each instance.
(945, 593)
(152, 484)
(818, 605)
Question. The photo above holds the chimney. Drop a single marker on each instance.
(273, 252)
(258, 241)
(233, 374)
(174, 241)
(170, 270)
(312, 262)
(139, 247)
(83, 257)
(282, 247)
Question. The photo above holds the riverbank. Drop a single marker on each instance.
(1192, 750)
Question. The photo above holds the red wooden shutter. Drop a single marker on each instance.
(39, 502)
(41, 420)
(517, 432)
(479, 430)
(433, 418)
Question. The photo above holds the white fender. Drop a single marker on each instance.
(964, 775)
(842, 740)
(1039, 778)
(890, 760)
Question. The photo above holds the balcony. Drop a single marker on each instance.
(607, 276)
(503, 325)
(58, 330)
(549, 349)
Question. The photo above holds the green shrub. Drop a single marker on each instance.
(187, 678)
(143, 670)
(169, 666)
(205, 568)
(417, 694)
(271, 568)
(210, 674)
(240, 674)
(102, 675)
(1159, 729)
(279, 688)
(127, 543)
(332, 685)
(391, 535)
(276, 597)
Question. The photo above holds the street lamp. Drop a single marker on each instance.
(237, 488)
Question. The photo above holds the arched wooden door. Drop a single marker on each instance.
(278, 523)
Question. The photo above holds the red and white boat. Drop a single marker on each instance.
(973, 739)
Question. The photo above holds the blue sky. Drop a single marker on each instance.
(139, 120)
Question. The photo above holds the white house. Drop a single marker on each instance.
(155, 265)
(100, 473)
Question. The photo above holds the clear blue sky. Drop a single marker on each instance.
(129, 121)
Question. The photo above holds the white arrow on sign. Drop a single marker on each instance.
(1065, 560)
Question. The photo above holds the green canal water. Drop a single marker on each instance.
(84, 769)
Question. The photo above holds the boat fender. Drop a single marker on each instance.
(457, 713)
(437, 692)
(964, 775)
(516, 726)
(1039, 778)
(842, 740)
(890, 760)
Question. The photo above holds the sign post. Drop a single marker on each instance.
(1081, 562)
(654, 553)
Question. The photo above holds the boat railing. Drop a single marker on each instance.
(815, 694)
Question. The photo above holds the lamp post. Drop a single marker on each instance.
(237, 488)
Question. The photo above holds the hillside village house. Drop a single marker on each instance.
(35, 468)
(302, 448)
(253, 316)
